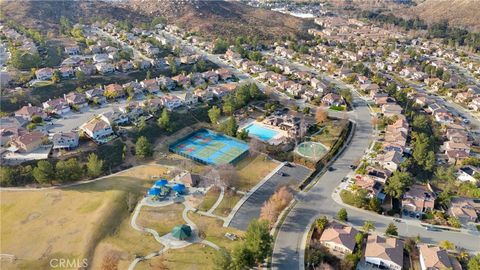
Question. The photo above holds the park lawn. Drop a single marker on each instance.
(67, 223)
(196, 256)
(127, 243)
(252, 170)
(229, 201)
(213, 230)
(193, 257)
(209, 200)
(42, 83)
(330, 133)
(161, 219)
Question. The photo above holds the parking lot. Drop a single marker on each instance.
(287, 175)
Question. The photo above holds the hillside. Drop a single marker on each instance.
(464, 13)
(209, 18)
(223, 18)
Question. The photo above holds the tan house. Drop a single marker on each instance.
(434, 258)
(339, 238)
(190, 180)
(383, 253)
(27, 112)
(465, 209)
(418, 199)
(27, 142)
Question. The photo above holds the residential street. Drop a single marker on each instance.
(289, 249)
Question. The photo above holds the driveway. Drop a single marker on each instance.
(250, 209)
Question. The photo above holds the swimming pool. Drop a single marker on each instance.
(261, 132)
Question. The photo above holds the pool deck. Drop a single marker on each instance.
(276, 140)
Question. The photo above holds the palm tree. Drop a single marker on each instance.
(321, 222)
(445, 244)
(368, 226)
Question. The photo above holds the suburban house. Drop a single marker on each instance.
(166, 82)
(382, 253)
(72, 50)
(96, 95)
(114, 117)
(87, 69)
(465, 209)
(468, 173)
(97, 129)
(332, 99)
(66, 72)
(390, 110)
(76, 99)
(182, 81)
(104, 68)
(418, 199)
(171, 102)
(339, 239)
(151, 86)
(27, 142)
(188, 98)
(27, 112)
(44, 74)
(225, 74)
(65, 140)
(114, 90)
(435, 258)
(59, 106)
(391, 160)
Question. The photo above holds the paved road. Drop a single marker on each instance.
(251, 208)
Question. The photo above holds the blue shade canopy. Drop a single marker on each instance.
(179, 188)
(154, 192)
(161, 182)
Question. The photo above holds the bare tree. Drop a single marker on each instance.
(228, 176)
(281, 198)
(110, 261)
(255, 146)
(269, 212)
(321, 115)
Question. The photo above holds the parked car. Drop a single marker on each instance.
(331, 169)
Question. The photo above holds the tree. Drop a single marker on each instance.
(347, 95)
(391, 229)
(359, 238)
(243, 134)
(56, 76)
(94, 165)
(227, 174)
(222, 260)
(368, 226)
(321, 115)
(6, 176)
(43, 173)
(149, 75)
(258, 240)
(201, 65)
(454, 222)
(172, 64)
(445, 244)
(242, 257)
(110, 261)
(474, 263)
(269, 212)
(342, 214)
(164, 120)
(397, 183)
(321, 223)
(143, 148)
(229, 127)
(214, 114)
(68, 170)
(37, 119)
(306, 110)
(80, 75)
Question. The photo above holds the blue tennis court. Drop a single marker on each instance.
(209, 147)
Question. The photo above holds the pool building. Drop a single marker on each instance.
(210, 148)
